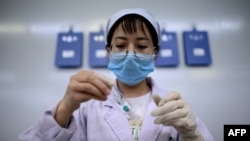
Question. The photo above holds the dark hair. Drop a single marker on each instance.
(128, 23)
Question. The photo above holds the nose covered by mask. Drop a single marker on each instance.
(132, 69)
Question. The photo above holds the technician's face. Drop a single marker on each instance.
(139, 41)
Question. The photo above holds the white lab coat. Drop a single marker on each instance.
(104, 121)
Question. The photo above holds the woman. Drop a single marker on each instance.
(95, 108)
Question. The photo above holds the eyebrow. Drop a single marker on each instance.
(120, 37)
(124, 38)
(142, 38)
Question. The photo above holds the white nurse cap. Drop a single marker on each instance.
(139, 11)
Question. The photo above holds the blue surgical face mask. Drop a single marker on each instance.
(131, 69)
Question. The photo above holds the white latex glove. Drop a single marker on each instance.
(173, 111)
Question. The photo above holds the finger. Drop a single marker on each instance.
(79, 97)
(156, 98)
(82, 97)
(169, 97)
(105, 79)
(175, 122)
(180, 123)
(168, 107)
(90, 77)
(86, 88)
(168, 118)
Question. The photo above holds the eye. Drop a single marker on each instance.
(121, 46)
(142, 47)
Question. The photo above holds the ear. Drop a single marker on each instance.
(156, 50)
(108, 49)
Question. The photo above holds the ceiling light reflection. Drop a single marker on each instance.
(12, 28)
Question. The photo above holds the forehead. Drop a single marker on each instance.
(136, 28)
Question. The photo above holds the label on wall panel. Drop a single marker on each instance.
(168, 55)
(196, 47)
(69, 49)
(97, 51)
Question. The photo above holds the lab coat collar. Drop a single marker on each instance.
(117, 121)
(149, 128)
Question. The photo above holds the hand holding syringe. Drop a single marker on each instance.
(83, 86)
